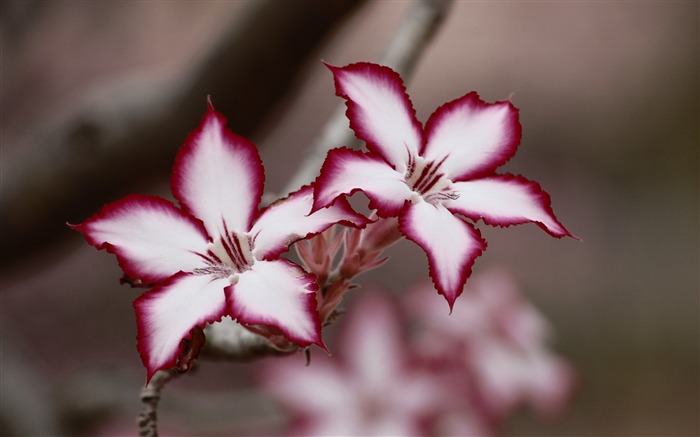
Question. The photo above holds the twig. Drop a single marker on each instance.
(401, 54)
(150, 396)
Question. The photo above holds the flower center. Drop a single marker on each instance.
(425, 178)
(228, 255)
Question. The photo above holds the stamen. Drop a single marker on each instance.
(220, 271)
(228, 255)
(442, 195)
(210, 257)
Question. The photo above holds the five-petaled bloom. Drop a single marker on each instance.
(218, 254)
(373, 386)
(425, 176)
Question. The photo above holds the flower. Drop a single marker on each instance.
(409, 370)
(217, 255)
(428, 176)
(498, 338)
(372, 386)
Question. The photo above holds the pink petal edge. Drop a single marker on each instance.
(476, 137)
(437, 232)
(288, 220)
(263, 296)
(380, 111)
(535, 204)
(185, 292)
(346, 171)
(105, 224)
(218, 176)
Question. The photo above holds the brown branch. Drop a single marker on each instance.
(124, 136)
(150, 396)
(402, 53)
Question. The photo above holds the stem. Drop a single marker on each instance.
(150, 396)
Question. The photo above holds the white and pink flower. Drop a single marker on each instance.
(217, 254)
(408, 369)
(430, 176)
(503, 341)
(372, 386)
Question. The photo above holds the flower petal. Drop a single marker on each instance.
(380, 111)
(451, 244)
(475, 136)
(373, 338)
(152, 239)
(288, 220)
(279, 294)
(346, 171)
(166, 314)
(506, 200)
(218, 176)
(289, 380)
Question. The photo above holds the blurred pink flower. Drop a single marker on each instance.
(502, 339)
(458, 374)
(374, 385)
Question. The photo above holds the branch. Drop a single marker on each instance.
(150, 396)
(123, 136)
(412, 37)
(402, 53)
(26, 404)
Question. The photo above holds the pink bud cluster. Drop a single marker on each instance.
(335, 268)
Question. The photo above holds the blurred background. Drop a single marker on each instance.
(97, 97)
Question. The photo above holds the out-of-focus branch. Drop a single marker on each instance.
(402, 53)
(412, 37)
(26, 405)
(126, 136)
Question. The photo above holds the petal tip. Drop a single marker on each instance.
(449, 283)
